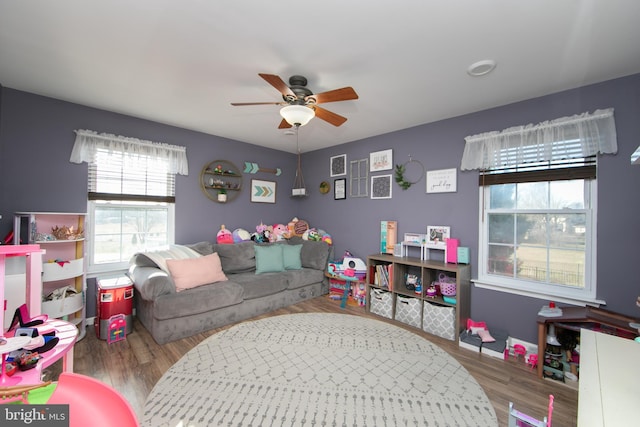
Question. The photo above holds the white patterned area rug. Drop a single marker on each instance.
(317, 369)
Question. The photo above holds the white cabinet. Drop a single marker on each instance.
(61, 236)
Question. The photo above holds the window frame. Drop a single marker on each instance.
(95, 269)
(544, 291)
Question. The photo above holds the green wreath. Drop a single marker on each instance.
(401, 170)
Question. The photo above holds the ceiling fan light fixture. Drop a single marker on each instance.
(297, 114)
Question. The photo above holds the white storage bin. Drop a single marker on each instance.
(52, 271)
(63, 307)
(439, 320)
(408, 310)
(381, 303)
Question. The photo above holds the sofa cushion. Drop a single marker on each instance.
(198, 300)
(151, 282)
(260, 285)
(313, 254)
(292, 257)
(269, 259)
(237, 258)
(304, 277)
(203, 248)
(193, 272)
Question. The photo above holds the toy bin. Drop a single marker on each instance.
(408, 310)
(439, 320)
(381, 303)
(115, 297)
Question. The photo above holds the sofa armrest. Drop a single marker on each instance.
(151, 282)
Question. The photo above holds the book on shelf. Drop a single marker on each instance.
(384, 276)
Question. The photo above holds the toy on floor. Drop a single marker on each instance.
(519, 419)
(117, 325)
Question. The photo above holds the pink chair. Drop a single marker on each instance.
(92, 402)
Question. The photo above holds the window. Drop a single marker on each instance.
(538, 192)
(131, 198)
(538, 237)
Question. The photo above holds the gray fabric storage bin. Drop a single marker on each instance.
(439, 320)
(381, 303)
(408, 310)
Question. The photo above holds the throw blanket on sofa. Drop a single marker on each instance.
(159, 258)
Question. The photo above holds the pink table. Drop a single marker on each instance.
(67, 333)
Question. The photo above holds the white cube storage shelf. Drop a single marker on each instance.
(401, 303)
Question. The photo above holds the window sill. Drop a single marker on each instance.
(582, 302)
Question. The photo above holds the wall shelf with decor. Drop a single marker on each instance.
(221, 177)
(61, 236)
(399, 288)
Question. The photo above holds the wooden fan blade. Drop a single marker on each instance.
(328, 116)
(240, 104)
(343, 94)
(279, 84)
(284, 124)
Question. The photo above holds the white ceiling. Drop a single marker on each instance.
(184, 62)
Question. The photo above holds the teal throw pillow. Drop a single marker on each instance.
(269, 259)
(292, 259)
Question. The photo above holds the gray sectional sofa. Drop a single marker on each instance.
(250, 290)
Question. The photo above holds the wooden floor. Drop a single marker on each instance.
(134, 365)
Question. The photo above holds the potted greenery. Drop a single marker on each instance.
(222, 195)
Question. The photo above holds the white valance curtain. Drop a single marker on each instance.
(577, 136)
(89, 142)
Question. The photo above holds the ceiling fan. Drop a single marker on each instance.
(297, 99)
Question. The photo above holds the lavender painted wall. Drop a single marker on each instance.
(355, 222)
(36, 135)
(36, 175)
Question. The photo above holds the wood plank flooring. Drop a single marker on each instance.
(134, 365)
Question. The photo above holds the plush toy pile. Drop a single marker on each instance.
(274, 233)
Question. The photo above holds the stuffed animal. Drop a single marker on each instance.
(312, 235)
(278, 233)
(261, 235)
(224, 236)
(241, 235)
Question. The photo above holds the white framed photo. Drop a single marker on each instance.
(381, 160)
(381, 187)
(338, 165)
(437, 236)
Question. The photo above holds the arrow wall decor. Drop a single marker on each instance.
(253, 168)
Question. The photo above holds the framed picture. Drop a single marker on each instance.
(340, 189)
(338, 165)
(436, 235)
(381, 187)
(381, 160)
(359, 178)
(263, 191)
(442, 181)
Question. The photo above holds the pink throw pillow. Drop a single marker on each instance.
(192, 272)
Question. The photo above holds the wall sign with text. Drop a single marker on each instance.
(442, 181)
